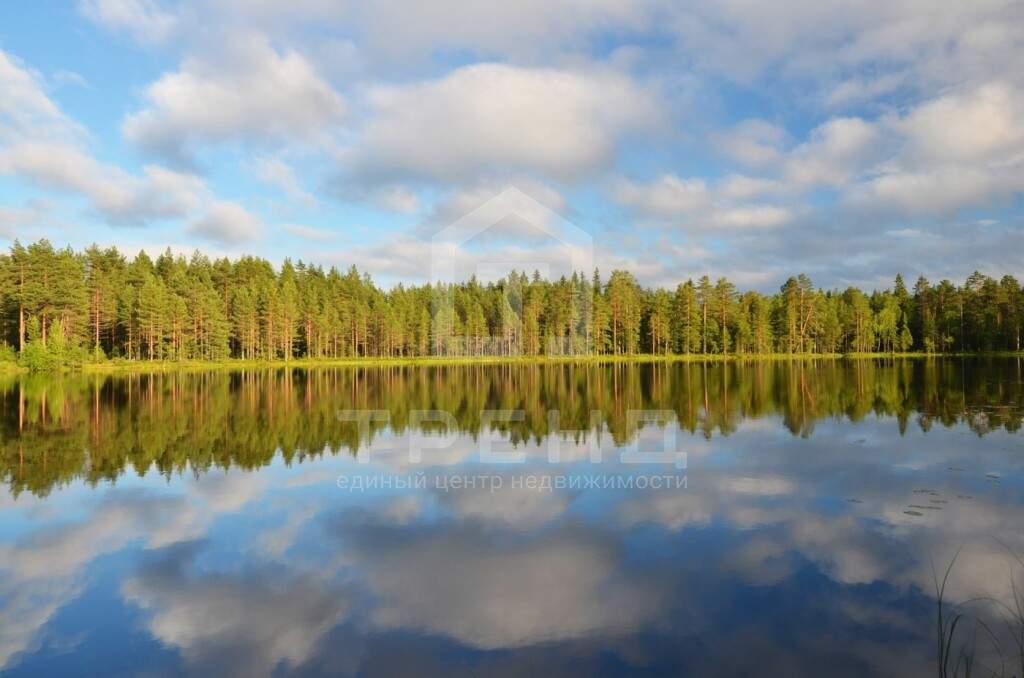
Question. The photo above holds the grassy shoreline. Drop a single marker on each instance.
(114, 366)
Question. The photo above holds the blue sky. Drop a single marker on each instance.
(730, 138)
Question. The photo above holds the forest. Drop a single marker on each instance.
(59, 307)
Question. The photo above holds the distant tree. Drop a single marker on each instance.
(686, 318)
(178, 308)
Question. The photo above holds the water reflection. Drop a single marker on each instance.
(795, 544)
(99, 427)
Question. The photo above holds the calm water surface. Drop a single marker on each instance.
(232, 523)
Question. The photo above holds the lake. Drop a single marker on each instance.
(644, 519)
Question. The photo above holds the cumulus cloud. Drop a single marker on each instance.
(692, 203)
(832, 45)
(753, 216)
(500, 118)
(986, 123)
(518, 508)
(247, 625)
(667, 196)
(227, 223)
(393, 197)
(40, 145)
(753, 142)
(144, 20)
(740, 186)
(859, 89)
(398, 199)
(912, 109)
(42, 570)
(934, 192)
(835, 152)
(398, 31)
(276, 172)
(115, 195)
(500, 593)
(248, 91)
(15, 220)
(25, 107)
(962, 149)
(461, 201)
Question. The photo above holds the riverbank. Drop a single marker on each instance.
(147, 366)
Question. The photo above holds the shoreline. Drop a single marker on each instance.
(143, 367)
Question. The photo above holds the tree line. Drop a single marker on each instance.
(59, 306)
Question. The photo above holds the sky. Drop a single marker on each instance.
(738, 138)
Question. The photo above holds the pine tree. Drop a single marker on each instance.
(704, 299)
(724, 296)
(600, 319)
(175, 308)
(686, 325)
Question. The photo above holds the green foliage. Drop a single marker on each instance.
(174, 308)
(37, 358)
(8, 354)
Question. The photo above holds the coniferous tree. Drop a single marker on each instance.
(175, 308)
(686, 324)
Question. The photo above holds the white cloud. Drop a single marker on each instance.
(520, 509)
(541, 590)
(753, 216)
(826, 49)
(463, 200)
(692, 203)
(144, 20)
(42, 570)
(392, 197)
(235, 625)
(397, 199)
(227, 223)
(310, 233)
(740, 186)
(905, 233)
(981, 124)
(276, 172)
(934, 192)
(44, 148)
(965, 148)
(915, 110)
(25, 107)
(401, 32)
(859, 89)
(836, 151)
(15, 220)
(753, 142)
(667, 196)
(117, 196)
(516, 28)
(498, 118)
(167, 192)
(247, 92)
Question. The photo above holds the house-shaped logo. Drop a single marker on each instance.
(532, 253)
